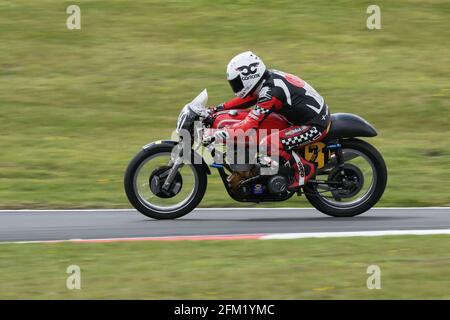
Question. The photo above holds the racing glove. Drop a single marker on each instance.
(217, 108)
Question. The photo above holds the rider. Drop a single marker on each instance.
(283, 93)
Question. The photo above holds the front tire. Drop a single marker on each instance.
(334, 208)
(157, 211)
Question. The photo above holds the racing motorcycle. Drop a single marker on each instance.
(168, 179)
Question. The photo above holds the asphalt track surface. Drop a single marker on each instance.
(29, 225)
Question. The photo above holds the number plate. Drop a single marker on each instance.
(316, 153)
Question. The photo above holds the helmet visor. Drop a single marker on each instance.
(236, 84)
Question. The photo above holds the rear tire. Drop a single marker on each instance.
(130, 191)
(381, 180)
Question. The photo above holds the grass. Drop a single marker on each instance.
(77, 105)
(412, 267)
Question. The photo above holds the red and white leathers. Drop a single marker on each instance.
(300, 104)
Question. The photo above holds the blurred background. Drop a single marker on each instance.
(76, 105)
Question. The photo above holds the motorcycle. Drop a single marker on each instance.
(168, 179)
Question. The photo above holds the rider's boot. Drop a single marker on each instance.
(303, 171)
(267, 165)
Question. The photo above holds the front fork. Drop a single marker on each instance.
(176, 162)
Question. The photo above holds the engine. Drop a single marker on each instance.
(240, 174)
(277, 184)
(250, 183)
(247, 181)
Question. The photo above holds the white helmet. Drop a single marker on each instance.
(244, 72)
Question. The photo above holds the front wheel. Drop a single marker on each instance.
(144, 179)
(365, 175)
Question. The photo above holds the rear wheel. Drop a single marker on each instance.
(144, 179)
(364, 181)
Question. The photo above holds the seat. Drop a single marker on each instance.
(347, 125)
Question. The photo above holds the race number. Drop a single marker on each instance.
(317, 153)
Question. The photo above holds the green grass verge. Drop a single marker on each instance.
(77, 105)
(412, 267)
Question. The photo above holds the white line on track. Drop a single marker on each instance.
(353, 234)
(273, 236)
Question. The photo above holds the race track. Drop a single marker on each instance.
(92, 224)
